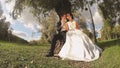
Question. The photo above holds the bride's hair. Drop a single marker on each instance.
(71, 15)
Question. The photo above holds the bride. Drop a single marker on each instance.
(78, 45)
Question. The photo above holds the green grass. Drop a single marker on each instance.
(14, 55)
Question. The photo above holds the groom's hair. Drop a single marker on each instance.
(62, 14)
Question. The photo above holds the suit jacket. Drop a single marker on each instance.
(59, 26)
(62, 33)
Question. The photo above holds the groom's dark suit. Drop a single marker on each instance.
(61, 36)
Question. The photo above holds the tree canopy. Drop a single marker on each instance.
(110, 10)
(111, 14)
(44, 6)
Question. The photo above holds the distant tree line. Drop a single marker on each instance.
(6, 31)
(110, 10)
(6, 34)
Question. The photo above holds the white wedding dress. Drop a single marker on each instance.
(78, 46)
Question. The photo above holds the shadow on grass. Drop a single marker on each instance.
(105, 44)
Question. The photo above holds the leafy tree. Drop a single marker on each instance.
(116, 32)
(48, 27)
(106, 30)
(110, 12)
(110, 9)
(4, 26)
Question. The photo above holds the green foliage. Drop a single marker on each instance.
(4, 26)
(116, 32)
(48, 27)
(110, 10)
(16, 55)
(34, 42)
(110, 31)
(44, 6)
(107, 30)
(108, 43)
(16, 39)
(6, 34)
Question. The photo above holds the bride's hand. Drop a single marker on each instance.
(65, 27)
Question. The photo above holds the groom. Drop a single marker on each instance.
(61, 35)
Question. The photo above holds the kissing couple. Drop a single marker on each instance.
(75, 44)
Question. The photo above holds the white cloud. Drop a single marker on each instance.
(28, 19)
(6, 10)
(20, 34)
(8, 18)
(97, 18)
(30, 25)
(38, 26)
(86, 13)
(10, 6)
(98, 21)
(25, 35)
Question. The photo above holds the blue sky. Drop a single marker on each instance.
(27, 31)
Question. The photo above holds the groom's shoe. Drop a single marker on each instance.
(49, 55)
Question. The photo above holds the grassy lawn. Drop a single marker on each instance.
(14, 55)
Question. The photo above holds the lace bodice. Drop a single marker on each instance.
(72, 25)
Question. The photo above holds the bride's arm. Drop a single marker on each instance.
(77, 25)
(65, 27)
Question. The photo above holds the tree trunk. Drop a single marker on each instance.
(63, 7)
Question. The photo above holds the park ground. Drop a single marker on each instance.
(18, 55)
